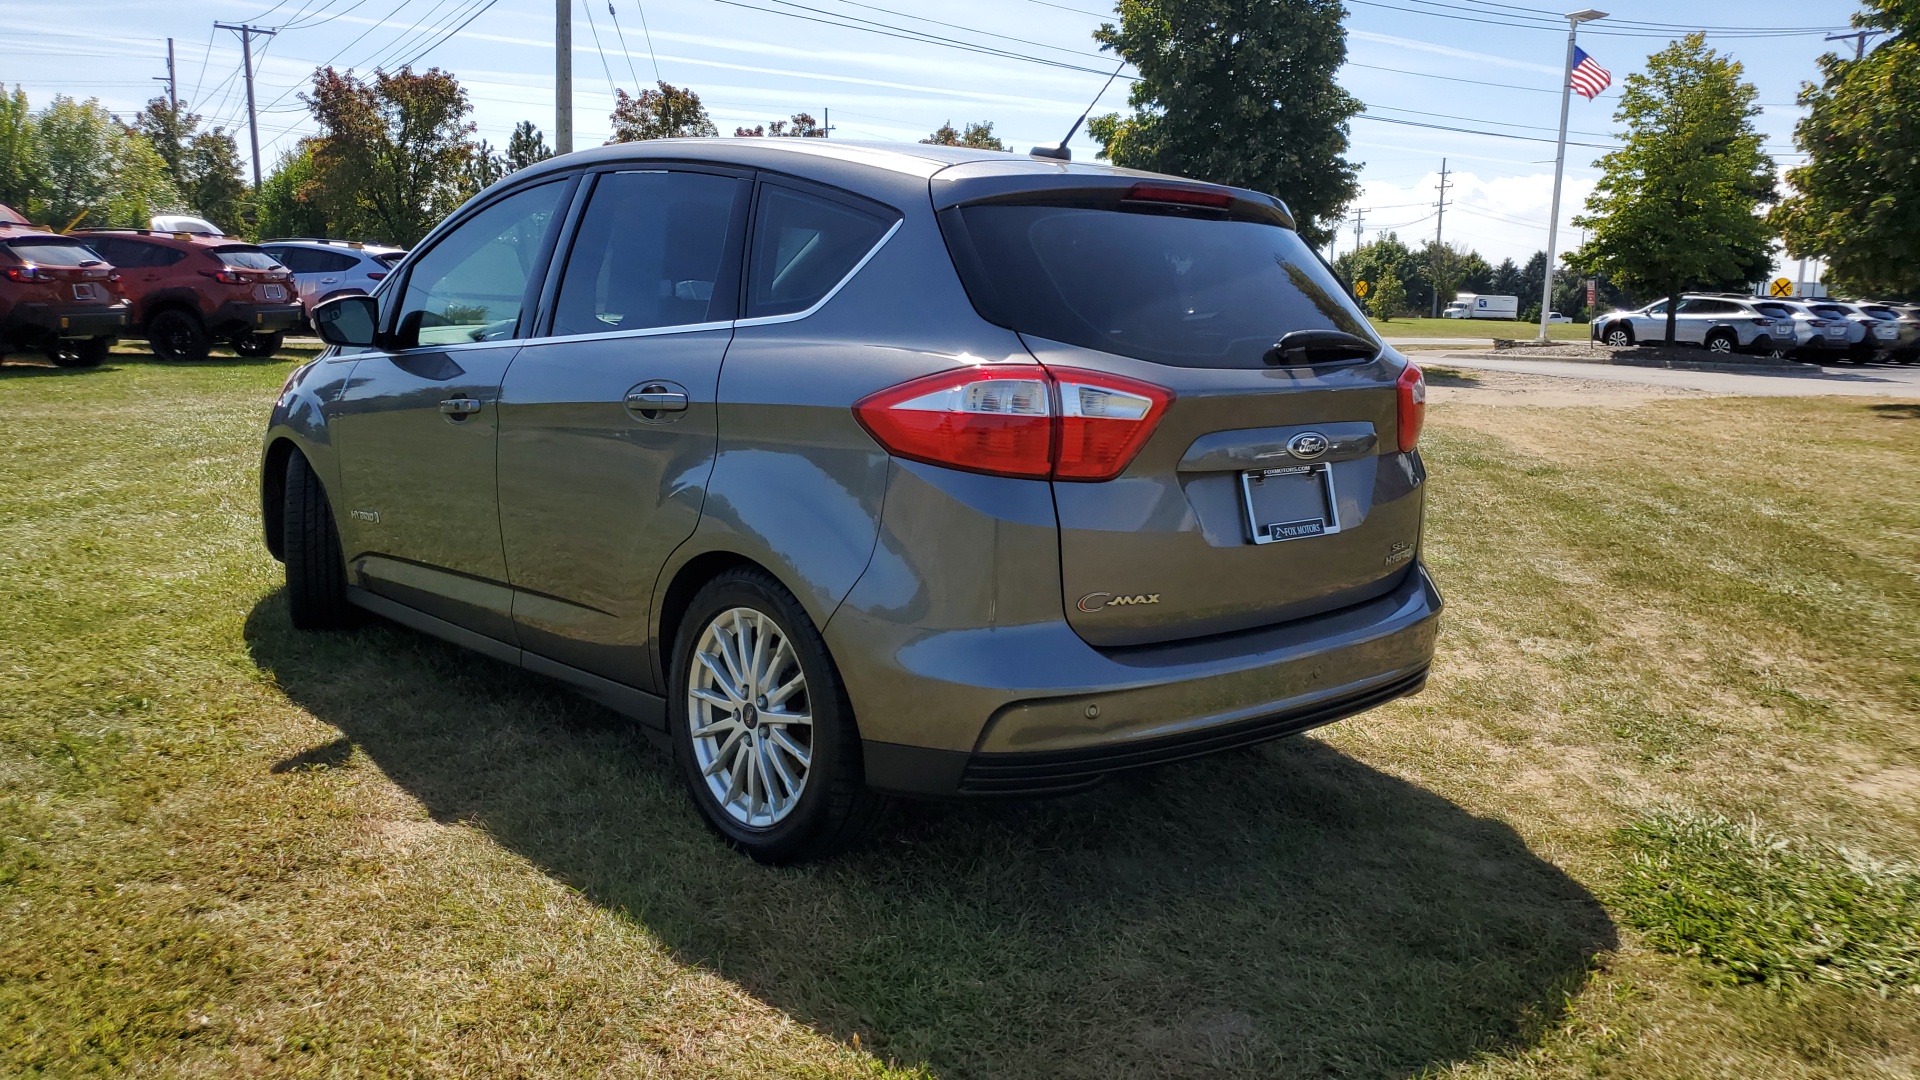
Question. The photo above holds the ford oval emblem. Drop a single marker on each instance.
(1307, 445)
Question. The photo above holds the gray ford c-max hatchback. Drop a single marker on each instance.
(856, 471)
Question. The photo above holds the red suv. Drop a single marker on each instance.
(190, 290)
(57, 295)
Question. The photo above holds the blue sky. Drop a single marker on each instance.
(1469, 64)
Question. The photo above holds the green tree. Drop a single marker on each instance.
(1383, 255)
(1238, 93)
(484, 166)
(282, 206)
(203, 165)
(1675, 208)
(1506, 279)
(91, 168)
(1856, 200)
(801, 126)
(664, 113)
(978, 136)
(391, 157)
(526, 147)
(1387, 297)
(18, 178)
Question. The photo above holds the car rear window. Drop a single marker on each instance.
(53, 252)
(1773, 311)
(1168, 288)
(390, 259)
(245, 258)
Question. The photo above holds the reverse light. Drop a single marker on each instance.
(1020, 420)
(28, 273)
(1412, 388)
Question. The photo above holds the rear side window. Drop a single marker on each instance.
(53, 252)
(1172, 289)
(245, 258)
(804, 245)
(389, 259)
(128, 253)
(1773, 311)
(651, 251)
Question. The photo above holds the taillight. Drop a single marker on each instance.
(28, 273)
(1189, 196)
(1017, 420)
(1412, 386)
(229, 277)
(376, 275)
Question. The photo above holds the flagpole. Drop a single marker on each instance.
(1574, 19)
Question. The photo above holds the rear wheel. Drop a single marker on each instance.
(258, 344)
(1619, 337)
(1722, 341)
(80, 354)
(178, 334)
(762, 729)
(310, 543)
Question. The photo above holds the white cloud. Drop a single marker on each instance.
(1503, 217)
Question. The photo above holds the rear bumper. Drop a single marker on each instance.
(34, 323)
(240, 318)
(1105, 711)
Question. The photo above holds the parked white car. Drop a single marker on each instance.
(324, 269)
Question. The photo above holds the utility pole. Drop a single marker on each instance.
(247, 32)
(1574, 19)
(1859, 41)
(1359, 217)
(1438, 226)
(563, 77)
(173, 96)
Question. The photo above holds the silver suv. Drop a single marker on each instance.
(864, 470)
(1717, 322)
(324, 269)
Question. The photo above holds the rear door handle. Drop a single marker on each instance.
(657, 401)
(460, 406)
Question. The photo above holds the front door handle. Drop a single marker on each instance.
(460, 406)
(657, 401)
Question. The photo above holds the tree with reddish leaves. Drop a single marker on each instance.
(667, 112)
(393, 155)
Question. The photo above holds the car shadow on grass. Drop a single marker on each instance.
(1282, 911)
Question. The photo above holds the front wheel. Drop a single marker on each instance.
(258, 344)
(310, 544)
(1619, 337)
(762, 729)
(80, 354)
(1721, 341)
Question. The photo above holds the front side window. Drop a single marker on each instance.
(473, 284)
(652, 251)
(804, 245)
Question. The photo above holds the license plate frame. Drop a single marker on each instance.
(273, 292)
(87, 291)
(1287, 510)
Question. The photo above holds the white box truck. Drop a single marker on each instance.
(1473, 306)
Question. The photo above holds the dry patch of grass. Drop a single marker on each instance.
(227, 848)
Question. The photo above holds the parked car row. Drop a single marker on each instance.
(182, 285)
(1811, 330)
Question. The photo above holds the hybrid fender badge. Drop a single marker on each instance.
(1099, 600)
(1307, 445)
(366, 515)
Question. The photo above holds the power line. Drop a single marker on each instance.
(624, 51)
(595, 30)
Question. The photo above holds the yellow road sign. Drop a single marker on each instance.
(1780, 287)
(1360, 289)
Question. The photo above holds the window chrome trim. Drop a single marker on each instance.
(796, 316)
(643, 332)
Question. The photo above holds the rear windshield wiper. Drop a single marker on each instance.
(1320, 347)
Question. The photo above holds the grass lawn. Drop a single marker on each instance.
(1654, 817)
(1477, 328)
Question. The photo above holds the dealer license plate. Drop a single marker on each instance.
(273, 292)
(86, 291)
(1291, 503)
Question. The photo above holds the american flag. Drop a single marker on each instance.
(1589, 78)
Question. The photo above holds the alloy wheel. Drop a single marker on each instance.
(749, 717)
(1619, 339)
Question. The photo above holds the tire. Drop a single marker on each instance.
(178, 334)
(1619, 337)
(80, 354)
(748, 752)
(259, 344)
(1722, 341)
(310, 543)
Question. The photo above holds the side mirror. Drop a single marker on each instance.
(348, 320)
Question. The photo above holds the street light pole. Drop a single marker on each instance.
(1574, 19)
